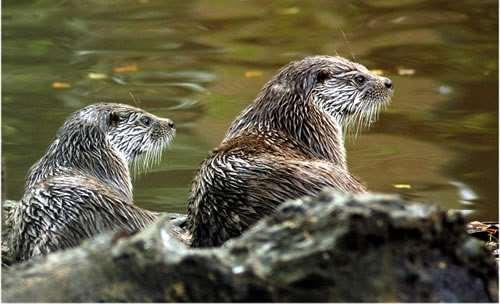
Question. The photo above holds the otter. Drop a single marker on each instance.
(288, 143)
(82, 185)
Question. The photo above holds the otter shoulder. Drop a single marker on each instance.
(257, 143)
(80, 183)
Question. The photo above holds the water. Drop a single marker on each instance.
(200, 62)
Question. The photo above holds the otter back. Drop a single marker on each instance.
(58, 213)
(242, 182)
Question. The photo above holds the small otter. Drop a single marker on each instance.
(82, 185)
(286, 144)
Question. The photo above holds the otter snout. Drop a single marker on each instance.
(165, 123)
(169, 123)
(387, 82)
(162, 128)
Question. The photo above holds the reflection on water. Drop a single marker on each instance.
(200, 62)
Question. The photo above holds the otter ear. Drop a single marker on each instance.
(322, 76)
(313, 79)
(113, 119)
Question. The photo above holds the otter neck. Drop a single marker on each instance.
(96, 158)
(297, 118)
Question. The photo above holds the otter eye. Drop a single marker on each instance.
(360, 79)
(146, 121)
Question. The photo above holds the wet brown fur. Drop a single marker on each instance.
(288, 143)
(82, 185)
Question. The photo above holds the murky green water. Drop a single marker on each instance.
(200, 62)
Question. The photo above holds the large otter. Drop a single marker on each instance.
(82, 185)
(286, 144)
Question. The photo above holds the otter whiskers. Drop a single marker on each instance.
(144, 162)
(362, 117)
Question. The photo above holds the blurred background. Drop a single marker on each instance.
(201, 62)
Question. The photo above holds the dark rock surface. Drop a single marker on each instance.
(330, 248)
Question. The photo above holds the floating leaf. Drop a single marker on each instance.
(402, 186)
(97, 76)
(253, 73)
(290, 11)
(406, 72)
(377, 72)
(126, 68)
(60, 85)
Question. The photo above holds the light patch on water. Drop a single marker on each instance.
(466, 194)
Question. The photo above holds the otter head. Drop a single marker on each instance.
(134, 135)
(346, 90)
(104, 140)
(310, 100)
(137, 135)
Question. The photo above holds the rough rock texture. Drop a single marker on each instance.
(331, 248)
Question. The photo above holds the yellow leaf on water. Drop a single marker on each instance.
(290, 11)
(126, 68)
(61, 85)
(377, 72)
(406, 72)
(402, 186)
(253, 73)
(97, 76)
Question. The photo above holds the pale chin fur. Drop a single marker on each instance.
(364, 118)
(364, 115)
(150, 158)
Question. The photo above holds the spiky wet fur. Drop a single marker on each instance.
(288, 143)
(82, 185)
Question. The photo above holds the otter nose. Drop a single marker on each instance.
(388, 83)
(170, 124)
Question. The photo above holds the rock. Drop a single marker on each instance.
(329, 248)
(487, 232)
